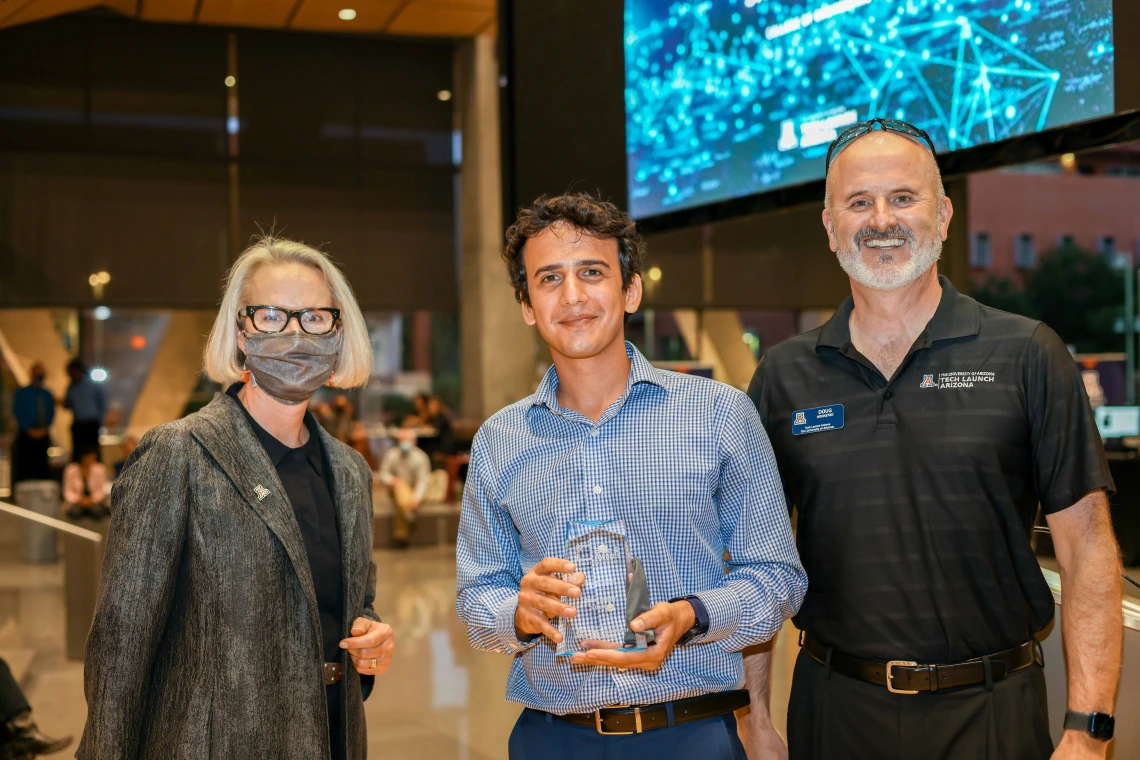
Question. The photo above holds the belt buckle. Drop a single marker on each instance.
(636, 721)
(890, 676)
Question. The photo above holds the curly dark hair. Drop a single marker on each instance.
(583, 212)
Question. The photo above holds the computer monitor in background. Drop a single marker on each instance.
(736, 97)
(1118, 421)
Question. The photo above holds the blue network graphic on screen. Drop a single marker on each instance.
(726, 98)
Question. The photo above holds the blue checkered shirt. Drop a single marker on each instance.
(685, 462)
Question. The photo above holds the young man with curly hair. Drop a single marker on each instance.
(682, 461)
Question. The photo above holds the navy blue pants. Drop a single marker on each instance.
(539, 736)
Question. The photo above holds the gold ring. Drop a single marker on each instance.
(374, 663)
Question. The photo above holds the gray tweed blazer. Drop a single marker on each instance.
(206, 641)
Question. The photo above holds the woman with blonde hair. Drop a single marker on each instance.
(235, 613)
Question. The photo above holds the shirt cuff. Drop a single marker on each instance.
(505, 627)
(724, 611)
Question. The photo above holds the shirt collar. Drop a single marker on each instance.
(275, 449)
(957, 316)
(640, 371)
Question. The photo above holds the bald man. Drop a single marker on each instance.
(916, 433)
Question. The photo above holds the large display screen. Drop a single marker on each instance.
(726, 98)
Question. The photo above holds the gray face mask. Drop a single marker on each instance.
(291, 366)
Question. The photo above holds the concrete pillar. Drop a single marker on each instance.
(719, 343)
(498, 348)
(175, 372)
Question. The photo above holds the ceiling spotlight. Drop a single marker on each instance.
(230, 81)
(655, 274)
(347, 14)
(444, 95)
(99, 375)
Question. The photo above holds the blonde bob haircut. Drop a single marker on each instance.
(224, 359)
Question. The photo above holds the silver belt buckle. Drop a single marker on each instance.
(636, 721)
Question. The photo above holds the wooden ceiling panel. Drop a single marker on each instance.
(442, 18)
(489, 6)
(23, 11)
(265, 13)
(321, 15)
(181, 11)
(445, 20)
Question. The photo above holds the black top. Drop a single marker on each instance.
(303, 475)
(917, 495)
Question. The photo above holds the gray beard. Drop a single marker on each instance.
(888, 274)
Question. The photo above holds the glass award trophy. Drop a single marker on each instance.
(615, 590)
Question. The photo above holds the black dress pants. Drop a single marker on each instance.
(85, 436)
(13, 703)
(334, 695)
(833, 717)
(30, 458)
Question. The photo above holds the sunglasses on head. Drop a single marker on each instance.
(886, 125)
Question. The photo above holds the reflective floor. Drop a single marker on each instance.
(440, 701)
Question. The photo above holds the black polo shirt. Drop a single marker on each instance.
(917, 495)
(303, 476)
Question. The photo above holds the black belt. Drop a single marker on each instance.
(908, 677)
(629, 719)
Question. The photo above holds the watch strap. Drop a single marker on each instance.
(700, 618)
(1097, 725)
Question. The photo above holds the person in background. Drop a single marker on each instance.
(358, 441)
(440, 419)
(406, 471)
(126, 448)
(87, 403)
(33, 406)
(20, 739)
(85, 487)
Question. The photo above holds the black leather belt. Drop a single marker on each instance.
(630, 719)
(333, 673)
(908, 677)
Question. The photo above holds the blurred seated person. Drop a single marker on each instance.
(126, 448)
(419, 415)
(358, 440)
(406, 471)
(85, 486)
(440, 419)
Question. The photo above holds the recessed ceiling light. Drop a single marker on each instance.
(444, 95)
(230, 81)
(347, 14)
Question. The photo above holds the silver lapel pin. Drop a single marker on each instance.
(261, 492)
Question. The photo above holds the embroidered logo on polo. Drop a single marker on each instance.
(957, 379)
(818, 420)
(261, 492)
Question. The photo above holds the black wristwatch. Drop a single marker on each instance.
(700, 619)
(1097, 725)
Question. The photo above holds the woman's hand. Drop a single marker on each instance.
(370, 647)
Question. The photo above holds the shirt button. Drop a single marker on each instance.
(597, 489)
(594, 432)
(888, 394)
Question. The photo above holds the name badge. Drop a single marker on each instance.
(818, 420)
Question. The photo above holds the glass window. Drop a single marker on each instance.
(1024, 255)
(980, 252)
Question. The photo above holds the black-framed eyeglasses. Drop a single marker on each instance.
(274, 319)
(886, 125)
